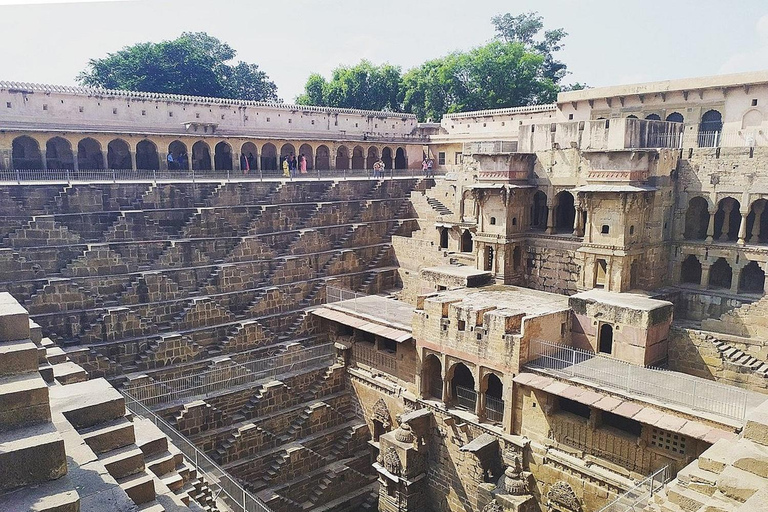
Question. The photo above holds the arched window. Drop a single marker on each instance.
(118, 155)
(720, 274)
(565, 212)
(432, 383)
(306, 151)
(752, 278)
(89, 155)
(466, 241)
(269, 157)
(342, 158)
(251, 155)
(146, 156)
(443, 238)
(222, 157)
(494, 403)
(58, 154)
(400, 160)
(539, 211)
(653, 117)
(709, 129)
(373, 155)
(386, 157)
(675, 117)
(727, 219)
(358, 158)
(605, 342)
(201, 156)
(322, 158)
(690, 271)
(25, 153)
(179, 156)
(757, 222)
(463, 387)
(696, 219)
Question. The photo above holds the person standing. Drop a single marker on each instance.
(171, 163)
(244, 163)
(303, 164)
(430, 164)
(251, 161)
(286, 168)
(424, 167)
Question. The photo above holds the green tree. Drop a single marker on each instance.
(194, 64)
(363, 86)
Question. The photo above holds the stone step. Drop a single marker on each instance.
(739, 485)
(86, 404)
(123, 461)
(55, 355)
(23, 400)
(149, 438)
(31, 455)
(69, 373)
(699, 480)
(109, 436)
(18, 357)
(174, 482)
(161, 463)
(140, 487)
(686, 499)
(54, 496)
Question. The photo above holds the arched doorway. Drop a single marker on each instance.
(358, 158)
(323, 158)
(565, 212)
(709, 129)
(653, 117)
(373, 155)
(146, 156)
(178, 152)
(251, 156)
(342, 158)
(89, 155)
(752, 278)
(432, 378)
(675, 117)
(201, 156)
(720, 274)
(605, 343)
(306, 151)
(696, 219)
(118, 155)
(757, 222)
(727, 219)
(690, 270)
(25, 153)
(269, 157)
(58, 154)
(466, 241)
(401, 162)
(386, 157)
(463, 387)
(443, 238)
(222, 157)
(539, 210)
(494, 403)
(286, 152)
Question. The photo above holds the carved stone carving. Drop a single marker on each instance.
(404, 434)
(381, 413)
(392, 462)
(493, 506)
(512, 481)
(562, 495)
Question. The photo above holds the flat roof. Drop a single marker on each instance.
(375, 309)
(456, 270)
(504, 297)
(635, 301)
(681, 84)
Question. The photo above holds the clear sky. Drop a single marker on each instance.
(610, 41)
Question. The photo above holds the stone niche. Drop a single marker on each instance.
(630, 327)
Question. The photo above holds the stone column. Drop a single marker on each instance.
(480, 405)
(758, 209)
(711, 226)
(236, 162)
(163, 161)
(105, 156)
(75, 162)
(735, 278)
(446, 391)
(705, 275)
(727, 209)
(44, 156)
(211, 158)
(743, 228)
(550, 219)
(578, 222)
(133, 161)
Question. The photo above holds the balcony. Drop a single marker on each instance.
(497, 147)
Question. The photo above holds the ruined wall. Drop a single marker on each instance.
(552, 267)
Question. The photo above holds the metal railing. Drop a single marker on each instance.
(115, 175)
(233, 374)
(639, 496)
(466, 398)
(663, 385)
(223, 486)
(494, 409)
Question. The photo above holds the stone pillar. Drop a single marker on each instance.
(735, 278)
(705, 275)
(163, 161)
(133, 161)
(743, 228)
(758, 209)
(44, 156)
(578, 222)
(105, 156)
(236, 162)
(727, 208)
(480, 405)
(446, 391)
(211, 158)
(550, 219)
(711, 226)
(75, 162)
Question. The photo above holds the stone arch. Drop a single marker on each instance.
(58, 154)
(710, 126)
(690, 270)
(757, 221)
(358, 158)
(269, 157)
(401, 160)
(89, 155)
(222, 156)
(201, 156)
(25, 153)
(653, 117)
(752, 278)
(720, 274)
(251, 153)
(386, 157)
(466, 241)
(306, 150)
(752, 119)
(146, 155)
(342, 158)
(286, 151)
(696, 219)
(539, 210)
(432, 377)
(494, 397)
(178, 153)
(727, 219)
(605, 339)
(463, 386)
(443, 238)
(323, 158)
(118, 155)
(373, 155)
(675, 117)
(631, 116)
(565, 212)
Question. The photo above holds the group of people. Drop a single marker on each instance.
(378, 168)
(180, 162)
(247, 162)
(427, 167)
(290, 165)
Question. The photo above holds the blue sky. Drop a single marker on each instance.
(610, 41)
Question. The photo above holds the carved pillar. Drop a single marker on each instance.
(75, 162)
(480, 404)
(213, 162)
(735, 278)
(446, 391)
(105, 157)
(550, 218)
(758, 209)
(727, 209)
(44, 156)
(133, 161)
(705, 275)
(742, 229)
(711, 226)
(578, 222)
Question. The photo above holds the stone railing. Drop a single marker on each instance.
(368, 355)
